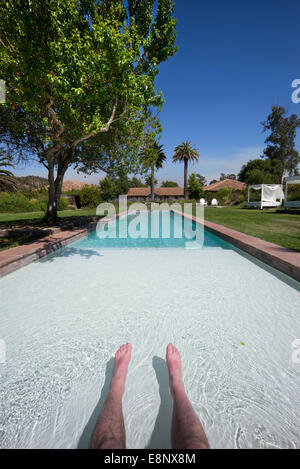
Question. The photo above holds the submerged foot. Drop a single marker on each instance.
(122, 360)
(175, 368)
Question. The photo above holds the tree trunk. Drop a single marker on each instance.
(51, 214)
(152, 183)
(185, 179)
(55, 187)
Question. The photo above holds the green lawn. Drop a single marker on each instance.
(7, 218)
(278, 228)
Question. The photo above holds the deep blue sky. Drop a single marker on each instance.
(236, 59)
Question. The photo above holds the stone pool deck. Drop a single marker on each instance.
(15, 258)
(278, 257)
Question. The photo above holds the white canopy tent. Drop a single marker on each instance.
(271, 195)
(292, 203)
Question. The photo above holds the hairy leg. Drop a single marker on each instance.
(187, 431)
(109, 432)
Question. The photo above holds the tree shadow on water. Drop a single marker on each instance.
(68, 252)
(161, 436)
(86, 436)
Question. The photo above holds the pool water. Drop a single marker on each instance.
(63, 317)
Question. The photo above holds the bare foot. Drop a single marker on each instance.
(122, 359)
(174, 365)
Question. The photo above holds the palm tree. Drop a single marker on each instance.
(7, 179)
(156, 161)
(185, 153)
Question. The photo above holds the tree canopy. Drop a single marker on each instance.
(281, 140)
(185, 152)
(80, 80)
(261, 171)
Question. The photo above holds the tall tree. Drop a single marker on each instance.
(185, 153)
(281, 141)
(202, 180)
(76, 71)
(260, 171)
(154, 158)
(224, 176)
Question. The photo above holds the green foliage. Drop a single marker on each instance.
(293, 192)
(202, 180)
(224, 176)
(108, 189)
(169, 184)
(227, 196)
(90, 196)
(63, 204)
(224, 196)
(136, 182)
(185, 152)
(7, 179)
(261, 171)
(195, 189)
(17, 202)
(281, 141)
(81, 79)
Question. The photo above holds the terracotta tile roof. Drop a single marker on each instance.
(159, 191)
(139, 192)
(228, 183)
(169, 191)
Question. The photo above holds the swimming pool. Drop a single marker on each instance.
(63, 317)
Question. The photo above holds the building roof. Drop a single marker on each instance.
(159, 191)
(227, 183)
(139, 192)
(169, 191)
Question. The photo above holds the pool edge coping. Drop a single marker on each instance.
(275, 256)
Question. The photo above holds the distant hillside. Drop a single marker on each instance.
(36, 182)
(31, 182)
(73, 185)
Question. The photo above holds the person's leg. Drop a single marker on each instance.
(109, 432)
(187, 431)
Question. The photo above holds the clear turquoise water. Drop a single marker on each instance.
(63, 317)
(153, 231)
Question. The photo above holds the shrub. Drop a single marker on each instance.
(90, 196)
(63, 204)
(227, 196)
(224, 196)
(17, 202)
(195, 189)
